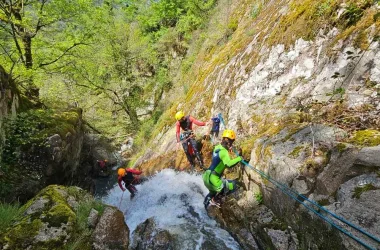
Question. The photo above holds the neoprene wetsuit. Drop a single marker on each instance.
(129, 180)
(212, 177)
(187, 126)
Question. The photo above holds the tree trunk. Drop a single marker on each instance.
(27, 41)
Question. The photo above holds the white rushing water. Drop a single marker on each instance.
(175, 201)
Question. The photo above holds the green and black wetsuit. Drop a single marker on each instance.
(212, 178)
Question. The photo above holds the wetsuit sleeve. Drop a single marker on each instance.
(177, 131)
(119, 182)
(227, 161)
(196, 122)
(133, 171)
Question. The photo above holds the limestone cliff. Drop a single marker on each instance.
(299, 81)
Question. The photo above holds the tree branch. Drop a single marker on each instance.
(62, 55)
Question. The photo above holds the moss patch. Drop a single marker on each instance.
(366, 138)
(22, 234)
(296, 152)
(58, 215)
(359, 190)
(303, 20)
(341, 147)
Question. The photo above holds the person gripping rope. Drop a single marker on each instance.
(186, 123)
(212, 177)
(126, 175)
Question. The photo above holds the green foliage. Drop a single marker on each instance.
(256, 9)
(8, 212)
(145, 133)
(352, 14)
(323, 8)
(259, 198)
(81, 240)
(45, 34)
(359, 190)
(31, 128)
(83, 211)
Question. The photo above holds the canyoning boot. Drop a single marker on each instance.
(206, 202)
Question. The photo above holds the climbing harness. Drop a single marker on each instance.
(294, 195)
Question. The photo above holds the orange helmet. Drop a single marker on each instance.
(121, 172)
(230, 134)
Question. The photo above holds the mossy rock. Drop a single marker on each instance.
(366, 138)
(48, 220)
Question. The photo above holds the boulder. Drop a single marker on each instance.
(148, 237)
(53, 220)
(111, 232)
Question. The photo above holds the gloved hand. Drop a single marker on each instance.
(240, 152)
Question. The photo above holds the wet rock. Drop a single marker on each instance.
(111, 232)
(148, 236)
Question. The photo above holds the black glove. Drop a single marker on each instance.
(240, 152)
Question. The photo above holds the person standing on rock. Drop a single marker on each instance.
(186, 123)
(126, 175)
(212, 177)
(215, 128)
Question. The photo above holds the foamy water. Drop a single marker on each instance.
(175, 201)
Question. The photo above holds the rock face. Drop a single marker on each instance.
(296, 101)
(51, 156)
(330, 181)
(148, 236)
(96, 148)
(111, 233)
(57, 218)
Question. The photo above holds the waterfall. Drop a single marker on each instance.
(175, 201)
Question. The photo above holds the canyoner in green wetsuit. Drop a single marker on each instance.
(212, 178)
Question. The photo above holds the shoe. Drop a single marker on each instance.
(206, 202)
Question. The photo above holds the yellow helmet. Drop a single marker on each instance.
(179, 115)
(121, 171)
(230, 134)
